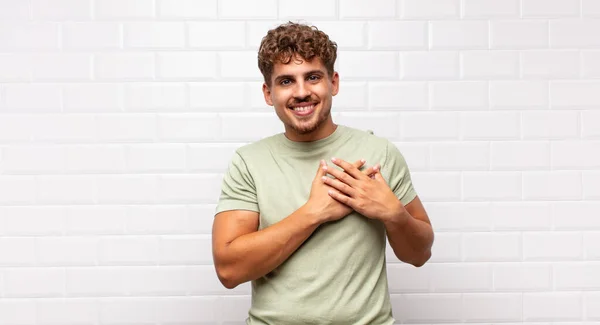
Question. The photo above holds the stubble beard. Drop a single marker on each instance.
(304, 128)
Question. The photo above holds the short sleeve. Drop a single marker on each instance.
(399, 174)
(237, 190)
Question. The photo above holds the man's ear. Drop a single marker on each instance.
(267, 94)
(335, 83)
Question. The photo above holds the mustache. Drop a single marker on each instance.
(307, 99)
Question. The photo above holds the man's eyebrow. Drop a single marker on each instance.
(289, 76)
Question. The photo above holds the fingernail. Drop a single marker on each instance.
(363, 161)
(323, 178)
(333, 159)
(324, 167)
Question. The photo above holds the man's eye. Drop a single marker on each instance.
(285, 82)
(313, 77)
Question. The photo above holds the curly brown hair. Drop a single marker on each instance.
(283, 42)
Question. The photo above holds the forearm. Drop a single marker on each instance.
(410, 239)
(253, 255)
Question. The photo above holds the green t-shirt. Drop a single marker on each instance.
(338, 275)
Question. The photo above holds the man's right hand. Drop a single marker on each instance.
(321, 204)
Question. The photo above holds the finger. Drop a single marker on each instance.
(344, 188)
(359, 163)
(342, 176)
(348, 168)
(341, 198)
(321, 172)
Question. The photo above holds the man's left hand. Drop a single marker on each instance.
(369, 196)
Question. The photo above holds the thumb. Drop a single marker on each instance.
(320, 171)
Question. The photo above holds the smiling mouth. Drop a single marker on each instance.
(303, 110)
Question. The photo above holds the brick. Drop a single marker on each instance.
(124, 66)
(459, 95)
(67, 128)
(550, 9)
(156, 158)
(590, 124)
(347, 35)
(464, 216)
(290, 10)
(15, 67)
(489, 64)
(430, 126)
(97, 97)
(61, 189)
(519, 94)
(517, 216)
(17, 311)
(521, 277)
(591, 245)
(492, 307)
(575, 215)
(550, 64)
(217, 95)
(14, 11)
(592, 306)
(17, 189)
(126, 127)
(17, 252)
(459, 35)
(239, 9)
(407, 279)
(190, 249)
(430, 9)
(468, 277)
(220, 155)
(397, 35)
(548, 246)
(491, 9)
(60, 9)
(143, 281)
(361, 9)
(591, 185)
(495, 186)
(490, 125)
(200, 218)
(96, 281)
(353, 95)
(95, 220)
(574, 94)
(131, 250)
(411, 308)
(590, 8)
(256, 30)
(239, 65)
(68, 311)
(127, 189)
(460, 156)
(447, 248)
(571, 33)
(436, 65)
(555, 185)
(576, 276)
(575, 155)
(67, 251)
(416, 155)
(519, 34)
(155, 97)
(91, 35)
(124, 9)
(149, 220)
(29, 36)
(186, 65)
(383, 124)
(590, 64)
(125, 310)
(438, 186)
(520, 155)
(34, 159)
(33, 98)
(34, 282)
(184, 189)
(393, 95)
(202, 280)
(492, 247)
(189, 127)
(32, 220)
(249, 126)
(232, 35)
(370, 65)
(552, 306)
(154, 35)
(95, 159)
(187, 9)
(550, 125)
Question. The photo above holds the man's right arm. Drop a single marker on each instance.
(243, 253)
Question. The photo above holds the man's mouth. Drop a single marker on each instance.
(303, 109)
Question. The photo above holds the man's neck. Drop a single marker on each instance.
(322, 132)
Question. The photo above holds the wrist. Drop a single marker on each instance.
(398, 217)
(314, 217)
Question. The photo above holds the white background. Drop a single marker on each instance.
(119, 117)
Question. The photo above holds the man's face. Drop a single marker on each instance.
(301, 92)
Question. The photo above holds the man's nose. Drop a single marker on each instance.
(301, 91)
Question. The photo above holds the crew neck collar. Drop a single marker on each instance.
(313, 145)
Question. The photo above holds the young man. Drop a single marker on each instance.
(300, 221)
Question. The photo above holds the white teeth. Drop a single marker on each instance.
(303, 109)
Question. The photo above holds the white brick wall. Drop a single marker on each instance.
(119, 117)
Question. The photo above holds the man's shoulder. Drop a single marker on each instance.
(258, 147)
(369, 136)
